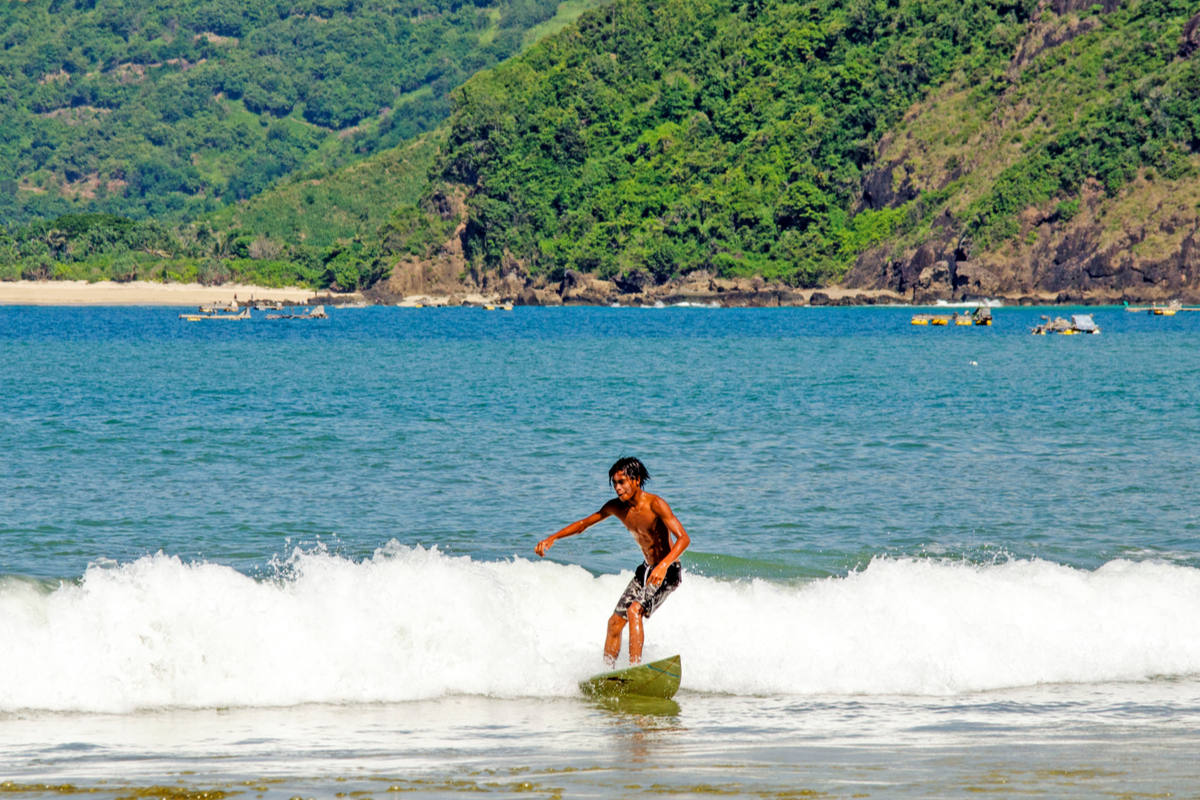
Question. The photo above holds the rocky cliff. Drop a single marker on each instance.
(1135, 241)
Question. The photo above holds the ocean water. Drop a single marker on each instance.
(295, 559)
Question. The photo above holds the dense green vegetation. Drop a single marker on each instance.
(173, 109)
(321, 207)
(668, 136)
(1137, 106)
(96, 247)
(655, 136)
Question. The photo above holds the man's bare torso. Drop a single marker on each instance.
(647, 526)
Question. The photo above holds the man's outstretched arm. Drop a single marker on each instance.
(674, 528)
(575, 527)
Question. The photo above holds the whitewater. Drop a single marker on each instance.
(413, 624)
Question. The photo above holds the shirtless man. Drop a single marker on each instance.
(649, 519)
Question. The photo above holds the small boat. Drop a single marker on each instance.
(1079, 323)
(217, 308)
(318, 312)
(209, 314)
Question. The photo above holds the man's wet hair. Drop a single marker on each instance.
(632, 468)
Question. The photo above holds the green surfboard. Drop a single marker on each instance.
(656, 679)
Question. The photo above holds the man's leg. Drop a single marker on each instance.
(612, 644)
(636, 635)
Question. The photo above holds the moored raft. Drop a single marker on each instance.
(1155, 310)
(980, 316)
(1078, 323)
(318, 312)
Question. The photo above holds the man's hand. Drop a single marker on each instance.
(658, 575)
(541, 547)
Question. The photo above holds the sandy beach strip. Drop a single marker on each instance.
(137, 293)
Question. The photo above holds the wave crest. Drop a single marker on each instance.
(411, 623)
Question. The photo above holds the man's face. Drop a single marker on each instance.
(625, 486)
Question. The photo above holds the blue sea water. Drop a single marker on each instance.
(924, 561)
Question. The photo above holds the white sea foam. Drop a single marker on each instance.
(986, 302)
(414, 623)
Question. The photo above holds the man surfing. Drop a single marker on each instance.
(650, 520)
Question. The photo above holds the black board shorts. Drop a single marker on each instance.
(649, 597)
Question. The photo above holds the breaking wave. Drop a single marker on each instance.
(412, 623)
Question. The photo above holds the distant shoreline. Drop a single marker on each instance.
(139, 293)
(146, 293)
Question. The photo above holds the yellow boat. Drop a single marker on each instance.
(1079, 323)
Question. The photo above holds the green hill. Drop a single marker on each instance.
(318, 208)
(798, 139)
(669, 136)
(172, 110)
(931, 147)
(1073, 171)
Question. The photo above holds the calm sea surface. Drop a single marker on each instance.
(296, 558)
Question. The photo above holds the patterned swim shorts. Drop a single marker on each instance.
(649, 597)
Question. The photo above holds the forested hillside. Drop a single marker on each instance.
(686, 134)
(796, 139)
(1071, 173)
(932, 147)
(176, 108)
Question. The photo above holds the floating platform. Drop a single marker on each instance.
(980, 316)
(1078, 323)
(1169, 310)
(318, 312)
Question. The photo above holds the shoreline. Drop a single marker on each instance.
(144, 293)
(140, 293)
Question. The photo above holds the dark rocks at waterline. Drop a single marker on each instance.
(635, 282)
(529, 296)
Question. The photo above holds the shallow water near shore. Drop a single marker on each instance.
(296, 559)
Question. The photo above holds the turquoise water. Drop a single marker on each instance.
(952, 542)
(795, 443)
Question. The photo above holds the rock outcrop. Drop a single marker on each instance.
(1190, 41)
(577, 288)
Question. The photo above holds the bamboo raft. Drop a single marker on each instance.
(980, 316)
(1078, 323)
(318, 312)
(1169, 310)
(217, 308)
